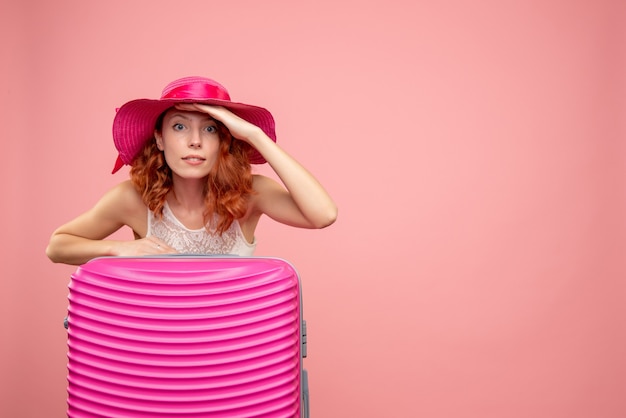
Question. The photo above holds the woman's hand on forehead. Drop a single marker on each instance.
(238, 127)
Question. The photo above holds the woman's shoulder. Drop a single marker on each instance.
(267, 193)
(261, 182)
(125, 190)
(124, 196)
(263, 187)
(123, 204)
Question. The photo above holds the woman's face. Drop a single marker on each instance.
(190, 143)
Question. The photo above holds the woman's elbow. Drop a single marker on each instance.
(328, 218)
(51, 254)
(54, 250)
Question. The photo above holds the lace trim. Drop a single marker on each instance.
(198, 241)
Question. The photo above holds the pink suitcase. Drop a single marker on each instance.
(186, 336)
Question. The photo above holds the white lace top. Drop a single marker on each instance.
(198, 241)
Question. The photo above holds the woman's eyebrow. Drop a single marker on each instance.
(180, 115)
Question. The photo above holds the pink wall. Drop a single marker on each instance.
(476, 151)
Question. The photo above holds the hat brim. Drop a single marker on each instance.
(135, 121)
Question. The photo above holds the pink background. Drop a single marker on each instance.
(476, 151)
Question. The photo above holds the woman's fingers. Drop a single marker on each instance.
(238, 127)
(157, 246)
(145, 246)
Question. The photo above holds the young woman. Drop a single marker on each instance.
(191, 188)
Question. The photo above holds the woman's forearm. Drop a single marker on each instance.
(75, 250)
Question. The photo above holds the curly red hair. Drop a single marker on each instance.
(228, 186)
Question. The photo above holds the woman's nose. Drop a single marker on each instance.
(194, 139)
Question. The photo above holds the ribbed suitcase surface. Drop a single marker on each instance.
(185, 337)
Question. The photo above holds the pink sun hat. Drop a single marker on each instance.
(135, 121)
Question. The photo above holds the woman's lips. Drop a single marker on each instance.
(194, 159)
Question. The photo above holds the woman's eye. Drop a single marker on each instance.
(211, 129)
(178, 126)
